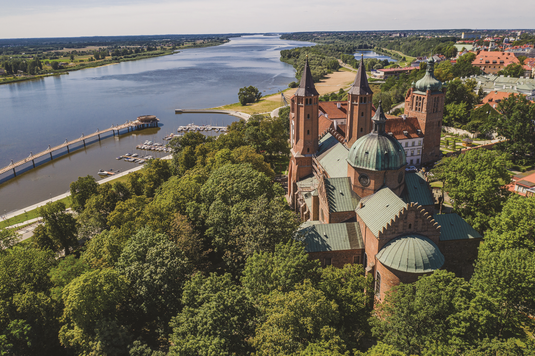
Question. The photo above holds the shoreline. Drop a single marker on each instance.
(110, 62)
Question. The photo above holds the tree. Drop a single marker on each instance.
(455, 114)
(517, 125)
(512, 70)
(293, 320)
(280, 270)
(104, 249)
(93, 313)
(67, 269)
(444, 71)
(513, 227)
(29, 316)
(475, 182)
(459, 92)
(435, 310)
(8, 238)
(464, 67)
(347, 288)
(81, 190)
(248, 95)
(507, 279)
(217, 318)
(156, 270)
(60, 227)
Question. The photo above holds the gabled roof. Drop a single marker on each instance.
(379, 209)
(326, 143)
(306, 86)
(324, 124)
(453, 227)
(331, 109)
(334, 161)
(397, 125)
(412, 253)
(360, 85)
(331, 237)
(416, 190)
(340, 196)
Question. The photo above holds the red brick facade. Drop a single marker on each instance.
(428, 108)
(359, 117)
(377, 179)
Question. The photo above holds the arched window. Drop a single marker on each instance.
(308, 132)
(308, 116)
(365, 262)
(361, 129)
(362, 113)
(378, 285)
(308, 150)
(410, 226)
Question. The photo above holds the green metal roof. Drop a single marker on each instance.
(334, 161)
(377, 152)
(429, 82)
(416, 190)
(453, 227)
(340, 196)
(411, 253)
(379, 209)
(330, 237)
(325, 143)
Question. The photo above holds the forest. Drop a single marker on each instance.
(198, 255)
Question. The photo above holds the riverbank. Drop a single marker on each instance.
(84, 63)
(331, 83)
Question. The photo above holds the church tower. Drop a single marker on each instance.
(304, 115)
(360, 107)
(425, 101)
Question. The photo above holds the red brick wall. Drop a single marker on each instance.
(430, 121)
(391, 277)
(359, 117)
(377, 180)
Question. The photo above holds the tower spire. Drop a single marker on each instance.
(360, 85)
(306, 86)
(379, 120)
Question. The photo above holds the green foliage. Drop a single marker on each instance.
(512, 70)
(217, 318)
(81, 190)
(434, 310)
(248, 95)
(295, 319)
(93, 312)
(456, 114)
(67, 269)
(340, 96)
(60, 229)
(28, 316)
(517, 125)
(507, 279)
(475, 182)
(280, 270)
(514, 226)
(8, 239)
(156, 270)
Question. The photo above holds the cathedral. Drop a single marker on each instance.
(347, 179)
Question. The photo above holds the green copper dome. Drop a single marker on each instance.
(377, 151)
(411, 253)
(429, 82)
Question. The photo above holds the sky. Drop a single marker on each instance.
(67, 18)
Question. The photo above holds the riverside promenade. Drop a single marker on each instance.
(234, 113)
(64, 195)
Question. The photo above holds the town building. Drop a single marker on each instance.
(523, 184)
(350, 186)
(490, 83)
(493, 62)
(386, 73)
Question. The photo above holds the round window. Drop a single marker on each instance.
(364, 180)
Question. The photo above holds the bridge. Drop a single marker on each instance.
(137, 124)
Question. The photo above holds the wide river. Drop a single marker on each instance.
(38, 113)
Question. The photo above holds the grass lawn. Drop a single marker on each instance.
(32, 214)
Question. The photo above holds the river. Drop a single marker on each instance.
(372, 54)
(38, 113)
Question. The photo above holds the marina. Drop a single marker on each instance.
(199, 128)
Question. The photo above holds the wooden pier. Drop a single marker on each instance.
(141, 122)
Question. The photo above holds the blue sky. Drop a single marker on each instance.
(61, 18)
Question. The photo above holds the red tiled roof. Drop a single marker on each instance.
(331, 109)
(397, 125)
(324, 124)
(506, 57)
(494, 97)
